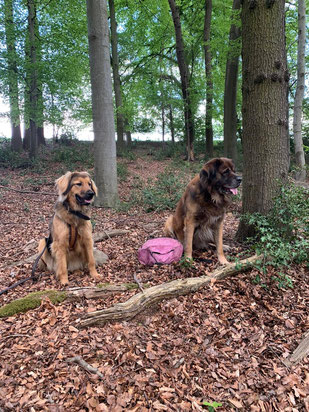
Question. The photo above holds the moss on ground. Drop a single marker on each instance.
(31, 301)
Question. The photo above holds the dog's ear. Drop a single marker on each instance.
(63, 184)
(204, 176)
(94, 187)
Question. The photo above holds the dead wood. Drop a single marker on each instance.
(31, 192)
(300, 352)
(80, 361)
(141, 301)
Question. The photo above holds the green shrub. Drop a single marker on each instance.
(283, 234)
(122, 172)
(74, 156)
(163, 193)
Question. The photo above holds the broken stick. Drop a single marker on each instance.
(141, 301)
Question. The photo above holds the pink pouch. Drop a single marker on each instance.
(161, 250)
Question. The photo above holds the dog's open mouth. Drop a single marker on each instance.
(232, 190)
(83, 200)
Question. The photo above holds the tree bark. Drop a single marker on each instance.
(16, 141)
(209, 82)
(185, 80)
(300, 174)
(105, 165)
(141, 301)
(116, 76)
(230, 89)
(33, 92)
(264, 110)
(172, 128)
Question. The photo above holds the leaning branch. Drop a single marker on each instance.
(300, 352)
(139, 302)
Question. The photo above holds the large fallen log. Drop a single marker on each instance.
(141, 301)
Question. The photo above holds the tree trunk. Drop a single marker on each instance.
(299, 96)
(105, 165)
(16, 142)
(209, 83)
(128, 132)
(33, 93)
(185, 81)
(116, 76)
(264, 110)
(172, 128)
(230, 89)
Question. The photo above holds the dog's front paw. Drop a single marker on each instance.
(94, 274)
(223, 261)
(63, 279)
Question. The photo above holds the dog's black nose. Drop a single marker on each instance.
(239, 179)
(89, 194)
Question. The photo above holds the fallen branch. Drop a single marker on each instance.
(141, 301)
(33, 300)
(80, 361)
(300, 352)
(27, 191)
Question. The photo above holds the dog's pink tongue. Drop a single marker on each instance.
(234, 191)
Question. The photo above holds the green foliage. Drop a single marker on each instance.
(212, 406)
(74, 156)
(164, 193)
(122, 172)
(283, 234)
(186, 263)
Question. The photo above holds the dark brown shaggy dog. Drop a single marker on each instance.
(199, 214)
(70, 245)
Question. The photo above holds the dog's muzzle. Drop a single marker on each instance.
(86, 199)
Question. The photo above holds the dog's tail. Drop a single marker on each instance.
(168, 227)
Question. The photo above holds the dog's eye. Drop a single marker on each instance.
(78, 184)
(226, 171)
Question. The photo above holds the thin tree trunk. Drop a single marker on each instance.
(116, 76)
(128, 132)
(16, 142)
(172, 128)
(33, 93)
(230, 89)
(299, 96)
(185, 81)
(105, 165)
(264, 110)
(209, 83)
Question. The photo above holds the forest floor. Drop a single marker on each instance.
(226, 343)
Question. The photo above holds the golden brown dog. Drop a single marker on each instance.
(199, 215)
(70, 244)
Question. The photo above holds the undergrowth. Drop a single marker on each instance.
(283, 234)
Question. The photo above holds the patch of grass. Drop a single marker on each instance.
(31, 301)
(73, 156)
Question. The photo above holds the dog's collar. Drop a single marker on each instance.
(75, 212)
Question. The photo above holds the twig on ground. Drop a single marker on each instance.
(80, 361)
(138, 282)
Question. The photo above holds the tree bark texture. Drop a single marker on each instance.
(33, 92)
(16, 142)
(299, 95)
(230, 89)
(102, 104)
(264, 110)
(149, 297)
(185, 80)
(209, 82)
(116, 76)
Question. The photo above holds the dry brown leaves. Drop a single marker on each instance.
(225, 343)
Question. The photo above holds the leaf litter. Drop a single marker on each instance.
(226, 343)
